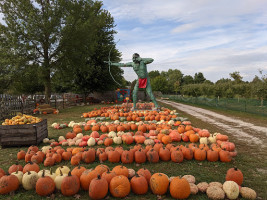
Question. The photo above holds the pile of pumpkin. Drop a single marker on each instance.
(21, 119)
(119, 182)
(153, 154)
(147, 134)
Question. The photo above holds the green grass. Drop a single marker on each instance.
(251, 160)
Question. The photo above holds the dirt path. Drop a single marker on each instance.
(239, 129)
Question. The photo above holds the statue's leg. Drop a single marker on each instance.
(135, 94)
(150, 93)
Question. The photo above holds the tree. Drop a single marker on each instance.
(32, 34)
(236, 76)
(153, 74)
(199, 78)
(159, 83)
(85, 55)
(187, 80)
(60, 37)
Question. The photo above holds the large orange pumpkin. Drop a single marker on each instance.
(119, 186)
(86, 178)
(139, 184)
(179, 188)
(70, 185)
(98, 188)
(159, 183)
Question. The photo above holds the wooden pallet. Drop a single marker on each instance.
(23, 135)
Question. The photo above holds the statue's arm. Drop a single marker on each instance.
(147, 60)
(121, 64)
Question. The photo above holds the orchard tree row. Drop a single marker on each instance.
(174, 82)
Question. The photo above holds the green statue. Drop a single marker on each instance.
(139, 66)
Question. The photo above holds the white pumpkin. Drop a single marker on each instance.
(131, 173)
(78, 141)
(65, 143)
(71, 123)
(106, 123)
(112, 134)
(40, 173)
(51, 174)
(53, 125)
(63, 169)
(91, 142)
(71, 143)
(149, 142)
(212, 139)
(120, 133)
(58, 180)
(19, 175)
(117, 140)
(171, 122)
(100, 142)
(231, 189)
(248, 193)
(79, 136)
(29, 180)
(51, 141)
(203, 140)
(60, 138)
(45, 149)
(116, 122)
(45, 140)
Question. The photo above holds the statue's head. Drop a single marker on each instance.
(135, 57)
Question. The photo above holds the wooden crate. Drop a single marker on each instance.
(23, 135)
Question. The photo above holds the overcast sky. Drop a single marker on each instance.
(215, 37)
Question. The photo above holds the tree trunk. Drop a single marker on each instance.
(47, 83)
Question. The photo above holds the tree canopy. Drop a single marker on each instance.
(67, 42)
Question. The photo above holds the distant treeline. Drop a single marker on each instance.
(174, 82)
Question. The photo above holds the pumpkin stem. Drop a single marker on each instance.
(235, 168)
(51, 171)
(61, 174)
(43, 174)
(69, 174)
(98, 176)
(17, 162)
(29, 172)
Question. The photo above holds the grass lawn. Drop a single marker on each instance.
(251, 160)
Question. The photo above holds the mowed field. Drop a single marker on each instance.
(251, 159)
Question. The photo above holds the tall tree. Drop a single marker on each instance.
(153, 74)
(59, 37)
(199, 78)
(32, 33)
(236, 76)
(84, 55)
(187, 80)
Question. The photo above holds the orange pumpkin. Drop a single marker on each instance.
(179, 188)
(45, 185)
(121, 170)
(86, 177)
(98, 188)
(8, 183)
(70, 185)
(159, 183)
(119, 186)
(139, 184)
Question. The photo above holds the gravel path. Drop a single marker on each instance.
(239, 129)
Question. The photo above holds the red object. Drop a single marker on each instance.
(142, 82)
